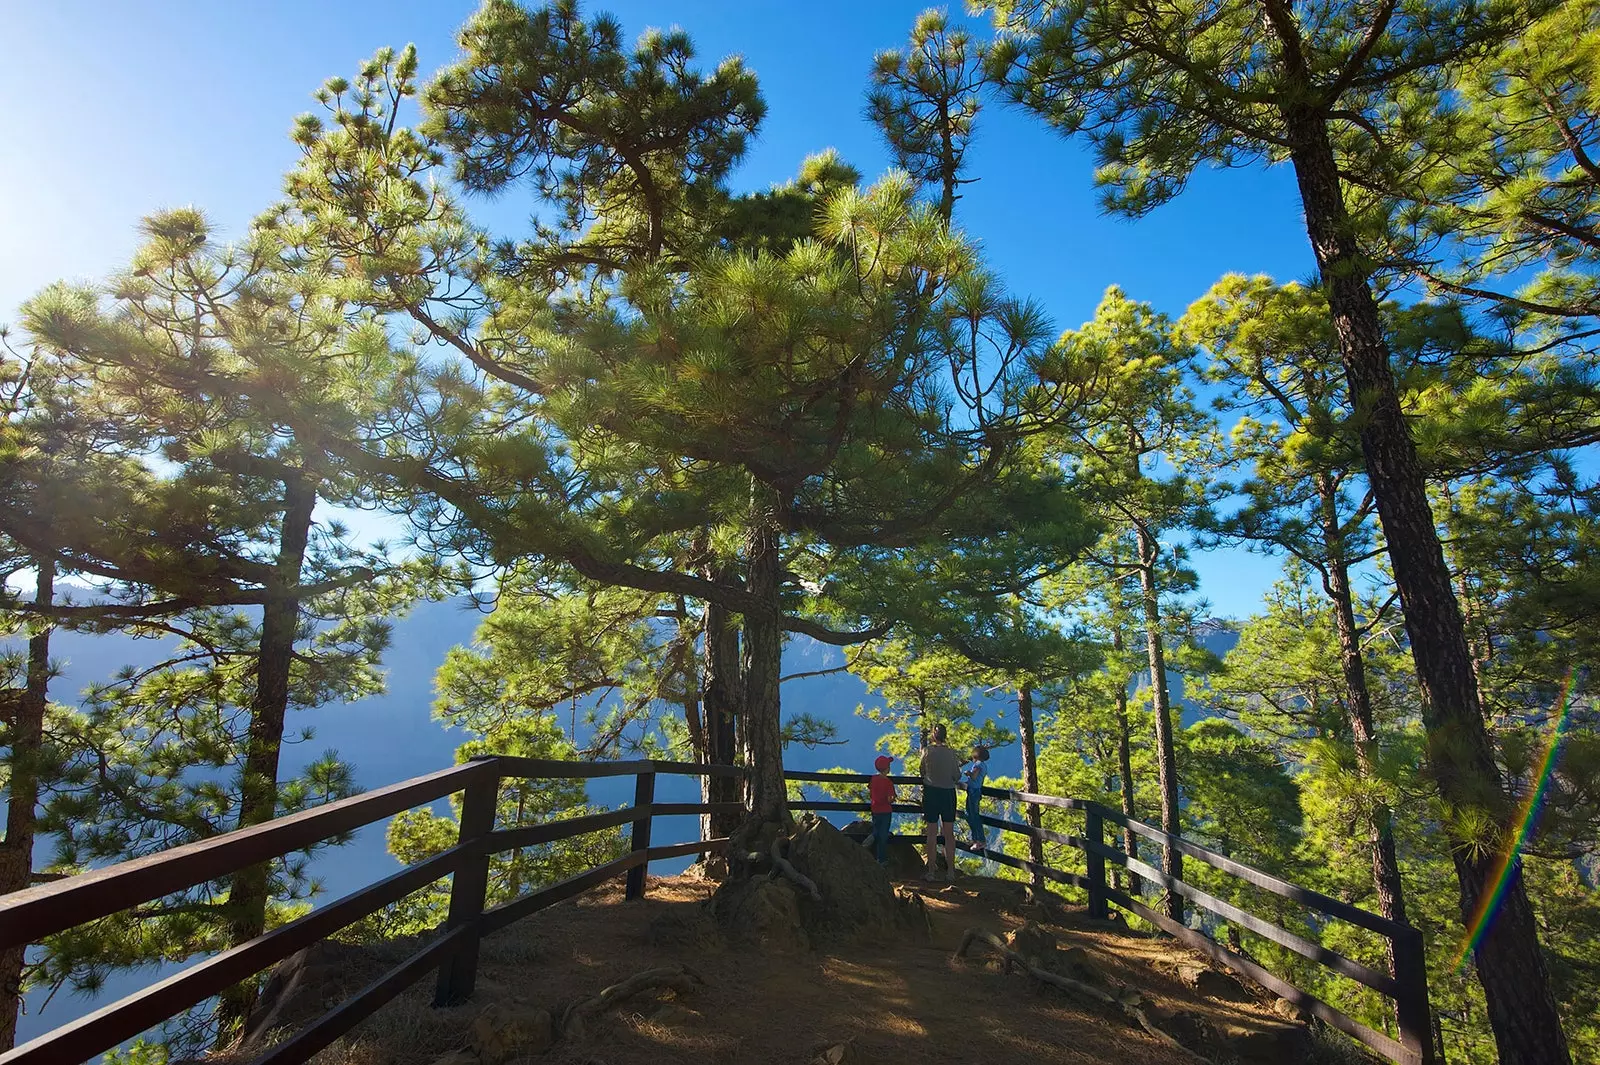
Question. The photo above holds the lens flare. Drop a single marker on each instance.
(1489, 902)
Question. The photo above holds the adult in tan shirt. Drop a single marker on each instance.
(941, 775)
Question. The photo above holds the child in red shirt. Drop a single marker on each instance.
(881, 790)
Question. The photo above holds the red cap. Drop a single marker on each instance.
(883, 762)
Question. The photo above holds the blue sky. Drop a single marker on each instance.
(114, 109)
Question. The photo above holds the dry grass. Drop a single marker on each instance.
(908, 1002)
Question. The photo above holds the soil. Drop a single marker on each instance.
(906, 1001)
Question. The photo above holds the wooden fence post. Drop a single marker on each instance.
(644, 795)
(458, 976)
(1095, 862)
(1411, 1002)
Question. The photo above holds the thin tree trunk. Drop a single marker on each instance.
(1160, 700)
(1358, 706)
(763, 656)
(720, 683)
(1511, 966)
(1030, 778)
(1130, 838)
(258, 792)
(22, 793)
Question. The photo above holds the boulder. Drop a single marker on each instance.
(1213, 984)
(1289, 1011)
(1189, 1028)
(762, 912)
(837, 1054)
(858, 900)
(1035, 944)
(458, 1057)
(501, 1033)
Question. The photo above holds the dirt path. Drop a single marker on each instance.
(905, 1003)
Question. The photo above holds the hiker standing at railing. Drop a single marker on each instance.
(941, 775)
(977, 772)
(880, 789)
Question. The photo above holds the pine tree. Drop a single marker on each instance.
(783, 389)
(1274, 351)
(1139, 424)
(1324, 86)
(192, 356)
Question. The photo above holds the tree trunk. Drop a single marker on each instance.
(1030, 778)
(719, 705)
(22, 793)
(1358, 707)
(1511, 966)
(258, 791)
(1130, 838)
(1161, 703)
(763, 657)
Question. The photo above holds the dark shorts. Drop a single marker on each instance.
(938, 804)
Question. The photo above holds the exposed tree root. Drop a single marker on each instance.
(781, 866)
(1128, 1004)
(679, 978)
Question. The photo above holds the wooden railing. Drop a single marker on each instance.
(1407, 988)
(31, 915)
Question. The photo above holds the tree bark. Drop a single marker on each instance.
(1386, 880)
(719, 704)
(258, 792)
(22, 798)
(763, 656)
(1161, 702)
(1130, 838)
(1030, 778)
(1511, 966)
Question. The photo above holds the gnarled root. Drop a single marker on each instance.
(1128, 1003)
(782, 867)
(679, 978)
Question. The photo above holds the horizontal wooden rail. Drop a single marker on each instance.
(30, 915)
(549, 769)
(1304, 1000)
(1331, 959)
(87, 1036)
(1306, 897)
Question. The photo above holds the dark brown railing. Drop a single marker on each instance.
(1408, 988)
(31, 915)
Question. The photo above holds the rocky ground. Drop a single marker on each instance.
(767, 973)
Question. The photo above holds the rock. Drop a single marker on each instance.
(501, 1033)
(458, 1057)
(307, 984)
(1034, 944)
(860, 831)
(858, 900)
(764, 913)
(1186, 1026)
(837, 1054)
(1213, 984)
(1269, 1042)
(1288, 1010)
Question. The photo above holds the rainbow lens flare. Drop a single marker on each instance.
(1489, 902)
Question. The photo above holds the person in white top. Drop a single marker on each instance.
(941, 775)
